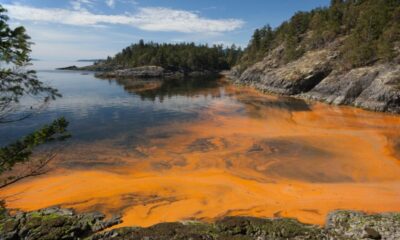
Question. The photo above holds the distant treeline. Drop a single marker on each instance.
(180, 56)
(370, 30)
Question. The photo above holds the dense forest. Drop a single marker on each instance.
(370, 30)
(180, 56)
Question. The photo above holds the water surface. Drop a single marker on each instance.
(158, 151)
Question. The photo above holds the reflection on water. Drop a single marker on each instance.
(156, 89)
(158, 151)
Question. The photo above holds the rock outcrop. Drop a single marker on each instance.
(139, 72)
(146, 72)
(57, 223)
(52, 223)
(318, 75)
(375, 88)
(294, 78)
(359, 225)
(73, 68)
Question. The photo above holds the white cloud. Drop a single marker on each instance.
(80, 5)
(166, 19)
(63, 44)
(149, 19)
(110, 3)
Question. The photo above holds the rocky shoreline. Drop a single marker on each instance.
(315, 76)
(58, 223)
(144, 72)
(318, 75)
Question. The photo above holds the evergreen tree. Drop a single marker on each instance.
(370, 29)
(183, 56)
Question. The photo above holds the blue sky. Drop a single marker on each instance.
(85, 29)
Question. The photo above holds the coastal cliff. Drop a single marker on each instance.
(56, 223)
(344, 54)
(317, 75)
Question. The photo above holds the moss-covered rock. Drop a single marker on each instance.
(359, 225)
(257, 228)
(52, 223)
(56, 223)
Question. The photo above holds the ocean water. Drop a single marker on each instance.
(154, 151)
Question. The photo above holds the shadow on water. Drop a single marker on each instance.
(281, 103)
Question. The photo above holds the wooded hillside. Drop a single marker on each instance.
(370, 28)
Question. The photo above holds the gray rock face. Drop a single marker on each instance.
(384, 92)
(317, 76)
(375, 88)
(342, 89)
(294, 78)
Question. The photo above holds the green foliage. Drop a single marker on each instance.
(14, 47)
(366, 41)
(292, 50)
(21, 150)
(15, 83)
(261, 43)
(15, 80)
(370, 29)
(183, 56)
